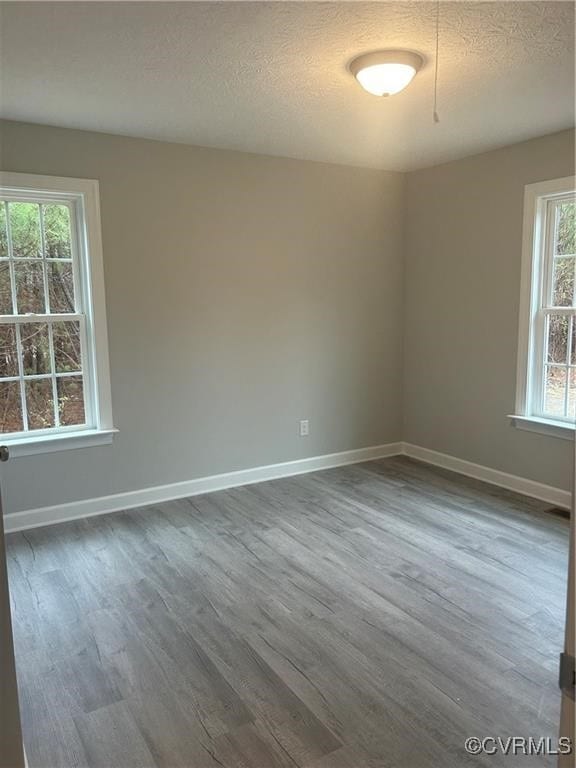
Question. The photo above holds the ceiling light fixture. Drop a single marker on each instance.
(384, 73)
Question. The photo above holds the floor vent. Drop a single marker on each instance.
(565, 513)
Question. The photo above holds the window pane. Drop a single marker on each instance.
(8, 354)
(29, 287)
(5, 290)
(67, 347)
(3, 233)
(566, 228)
(572, 393)
(25, 230)
(10, 407)
(35, 349)
(57, 231)
(563, 282)
(554, 390)
(61, 287)
(39, 403)
(71, 400)
(558, 329)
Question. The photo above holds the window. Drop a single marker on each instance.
(546, 394)
(54, 379)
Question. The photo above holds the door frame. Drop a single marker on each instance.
(11, 746)
(568, 708)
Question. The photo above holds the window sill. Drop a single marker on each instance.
(562, 429)
(28, 446)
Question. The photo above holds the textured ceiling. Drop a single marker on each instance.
(271, 77)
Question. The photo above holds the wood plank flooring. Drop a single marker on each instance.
(371, 616)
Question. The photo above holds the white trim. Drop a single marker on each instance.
(549, 427)
(522, 485)
(61, 441)
(21, 521)
(83, 197)
(532, 278)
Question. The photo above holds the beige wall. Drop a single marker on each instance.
(463, 252)
(243, 293)
(246, 292)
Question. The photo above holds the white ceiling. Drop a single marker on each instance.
(271, 77)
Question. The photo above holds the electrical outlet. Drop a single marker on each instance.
(304, 428)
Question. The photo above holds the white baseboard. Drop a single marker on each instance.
(547, 493)
(21, 521)
(33, 518)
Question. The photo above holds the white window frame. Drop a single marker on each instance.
(532, 320)
(82, 196)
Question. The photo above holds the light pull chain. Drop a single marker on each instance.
(435, 112)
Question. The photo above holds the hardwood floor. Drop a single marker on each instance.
(371, 616)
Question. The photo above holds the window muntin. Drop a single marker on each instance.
(46, 377)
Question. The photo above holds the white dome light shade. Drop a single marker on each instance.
(384, 73)
(385, 79)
